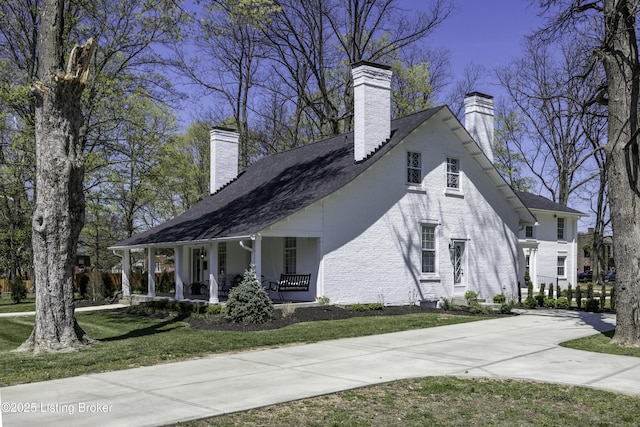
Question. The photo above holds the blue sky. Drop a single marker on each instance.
(486, 32)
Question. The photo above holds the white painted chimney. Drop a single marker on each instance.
(478, 120)
(372, 107)
(224, 157)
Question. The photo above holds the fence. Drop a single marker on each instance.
(138, 281)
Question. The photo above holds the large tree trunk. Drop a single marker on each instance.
(621, 66)
(59, 209)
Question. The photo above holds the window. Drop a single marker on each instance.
(289, 255)
(528, 232)
(561, 266)
(560, 228)
(414, 168)
(222, 258)
(428, 249)
(453, 173)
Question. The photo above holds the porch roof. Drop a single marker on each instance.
(273, 188)
(536, 202)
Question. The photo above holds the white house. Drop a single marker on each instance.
(549, 247)
(396, 211)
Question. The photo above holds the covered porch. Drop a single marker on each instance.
(208, 270)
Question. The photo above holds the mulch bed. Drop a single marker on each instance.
(306, 314)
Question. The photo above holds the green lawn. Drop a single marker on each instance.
(8, 306)
(128, 341)
(446, 401)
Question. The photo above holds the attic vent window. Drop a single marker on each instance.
(453, 173)
(414, 168)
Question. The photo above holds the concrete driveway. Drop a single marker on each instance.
(524, 346)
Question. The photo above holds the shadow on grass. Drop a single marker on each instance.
(158, 328)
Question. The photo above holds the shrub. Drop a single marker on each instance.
(358, 307)
(540, 300)
(448, 305)
(376, 306)
(529, 289)
(165, 283)
(531, 303)
(543, 286)
(550, 295)
(323, 300)
(108, 285)
(562, 303)
(519, 294)
(506, 307)
(590, 291)
(569, 293)
(248, 302)
(578, 296)
(612, 298)
(549, 302)
(213, 310)
(476, 308)
(18, 290)
(499, 299)
(558, 291)
(471, 297)
(288, 310)
(603, 297)
(592, 305)
(83, 285)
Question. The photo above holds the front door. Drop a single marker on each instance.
(459, 284)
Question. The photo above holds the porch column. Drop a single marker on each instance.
(213, 274)
(151, 272)
(179, 272)
(126, 274)
(256, 257)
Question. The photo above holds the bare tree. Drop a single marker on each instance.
(542, 84)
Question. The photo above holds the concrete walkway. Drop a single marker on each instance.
(523, 347)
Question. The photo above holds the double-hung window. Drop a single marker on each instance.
(528, 232)
(414, 167)
(561, 229)
(453, 173)
(428, 249)
(290, 255)
(562, 271)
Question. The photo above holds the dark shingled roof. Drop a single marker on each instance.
(533, 201)
(275, 187)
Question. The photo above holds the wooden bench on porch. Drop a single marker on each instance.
(290, 283)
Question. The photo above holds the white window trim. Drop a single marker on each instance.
(452, 191)
(565, 258)
(564, 229)
(294, 250)
(435, 276)
(414, 186)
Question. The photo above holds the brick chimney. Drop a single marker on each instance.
(224, 157)
(478, 120)
(372, 107)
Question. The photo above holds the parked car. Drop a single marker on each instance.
(585, 276)
(610, 276)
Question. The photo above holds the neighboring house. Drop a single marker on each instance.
(585, 252)
(396, 212)
(549, 249)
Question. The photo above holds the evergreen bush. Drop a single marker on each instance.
(531, 303)
(592, 305)
(549, 302)
(562, 303)
(540, 299)
(558, 291)
(590, 291)
(248, 302)
(612, 298)
(569, 294)
(578, 296)
(358, 307)
(529, 289)
(499, 299)
(376, 306)
(18, 290)
(550, 295)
